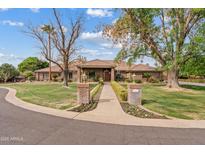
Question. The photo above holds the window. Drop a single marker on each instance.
(45, 76)
(91, 75)
(70, 75)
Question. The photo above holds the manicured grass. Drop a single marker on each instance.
(52, 95)
(179, 104)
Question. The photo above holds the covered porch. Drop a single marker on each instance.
(94, 74)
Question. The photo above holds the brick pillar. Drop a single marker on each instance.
(134, 94)
(112, 74)
(83, 93)
(79, 75)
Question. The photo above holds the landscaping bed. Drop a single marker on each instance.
(121, 93)
(136, 111)
(95, 95)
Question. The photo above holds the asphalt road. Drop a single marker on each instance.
(20, 126)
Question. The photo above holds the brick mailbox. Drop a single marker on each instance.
(134, 94)
(83, 93)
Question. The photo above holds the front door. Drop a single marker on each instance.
(107, 75)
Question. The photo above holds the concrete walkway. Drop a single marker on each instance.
(108, 108)
(108, 103)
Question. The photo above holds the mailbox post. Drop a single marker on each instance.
(134, 94)
(83, 93)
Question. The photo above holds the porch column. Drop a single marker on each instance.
(79, 75)
(112, 74)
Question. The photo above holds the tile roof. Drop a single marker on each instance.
(97, 63)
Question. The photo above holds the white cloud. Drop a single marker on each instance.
(94, 52)
(35, 10)
(9, 58)
(99, 12)
(12, 23)
(1, 48)
(111, 45)
(90, 35)
(4, 9)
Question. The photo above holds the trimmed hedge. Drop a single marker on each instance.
(95, 90)
(120, 91)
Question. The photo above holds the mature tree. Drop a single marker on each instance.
(64, 41)
(31, 64)
(171, 36)
(48, 29)
(7, 71)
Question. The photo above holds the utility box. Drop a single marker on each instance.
(134, 94)
(83, 93)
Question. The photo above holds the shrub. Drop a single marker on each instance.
(138, 81)
(31, 78)
(120, 91)
(95, 90)
(153, 80)
(101, 81)
(128, 80)
(55, 76)
(28, 74)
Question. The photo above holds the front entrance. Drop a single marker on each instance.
(107, 75)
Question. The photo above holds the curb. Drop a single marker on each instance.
(88, 116)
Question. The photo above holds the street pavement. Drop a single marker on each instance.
(20, 126)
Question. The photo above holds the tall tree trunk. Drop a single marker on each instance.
(172, 78)
(49, 54)
(65, 80)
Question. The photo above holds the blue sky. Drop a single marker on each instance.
(16, 46)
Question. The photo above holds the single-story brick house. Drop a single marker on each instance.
(106, 69)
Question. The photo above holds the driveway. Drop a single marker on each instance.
(20, 126)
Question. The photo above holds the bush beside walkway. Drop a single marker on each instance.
(94, 95)
(134, 110)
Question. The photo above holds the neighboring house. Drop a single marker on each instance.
(106, 69)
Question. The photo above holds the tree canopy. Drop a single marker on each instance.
(193, 67)
(171, 36)
(31, 64)
(7, 71)
(63, 38)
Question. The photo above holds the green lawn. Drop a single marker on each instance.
(52, 95)
(185, 105)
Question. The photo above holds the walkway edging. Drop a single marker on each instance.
(128, 120)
